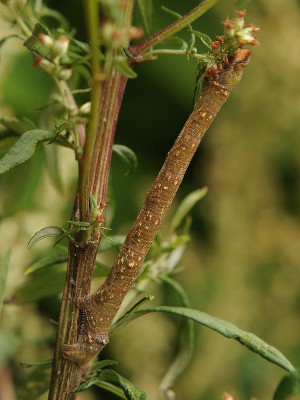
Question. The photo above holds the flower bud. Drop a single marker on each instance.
(46, 66)
(85, 108)
(60, 47)
(64, 74)
(46, 40)
(135, 32)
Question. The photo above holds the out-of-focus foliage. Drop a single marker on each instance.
(243, 262)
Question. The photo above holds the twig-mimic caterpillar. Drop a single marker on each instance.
(99, 309)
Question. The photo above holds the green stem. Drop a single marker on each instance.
(184, 52)
(92, 16)
(170, 30)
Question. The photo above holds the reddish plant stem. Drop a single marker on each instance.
(93, 175)
(66, 375)
(99, 309)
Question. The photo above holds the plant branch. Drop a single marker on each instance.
(66, 375)
(181, 23)
(92, 16)
(99, 309)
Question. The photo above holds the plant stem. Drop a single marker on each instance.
(92, 16)
(66, 375)
(99, 309)
(170, 30)
(184, 52)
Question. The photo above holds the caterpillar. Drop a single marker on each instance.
(99, 309)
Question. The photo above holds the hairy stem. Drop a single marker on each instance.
(99, 309)
(170, 30)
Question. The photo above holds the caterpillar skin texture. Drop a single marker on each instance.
(99, 309)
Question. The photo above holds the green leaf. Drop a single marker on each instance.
(186, 344)
(93, 378)
(24, 148)
(35, 45)
(146, 10)
(173, 13)
(123, 67)
(18, 125)
(37, 384)
(3, 275)
(52, 166)
(176, 42)
(205, 39)
(35, 363)
(48, 231)
(111, 242)
(122, 321)
(99, 365)
(185, 207)
(228, 330)
(58, 257)
(289, 385)
(43, 283)
(131, 391)
(62, 21)
(199, 80)
(127, 156)
(178, 16)
(111, 388)
(46, 282)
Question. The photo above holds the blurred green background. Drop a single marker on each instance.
(243, 261)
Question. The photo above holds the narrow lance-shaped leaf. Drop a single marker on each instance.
(55, 258)
(17, 125)
(186, 205)
(131, 391)
(127, 316)
(186, 344)
(35, 363)
(289, 385)
(48, 231)
(111, 242)
(146, 10)
(228, 330)
(3, 275)
(45, 282)
(123, 67)
(178, 16)
(127, 156)
(24, 148)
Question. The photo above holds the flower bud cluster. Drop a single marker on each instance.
(58, 49)
(237, 35)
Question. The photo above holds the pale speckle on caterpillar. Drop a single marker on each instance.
(99, 309)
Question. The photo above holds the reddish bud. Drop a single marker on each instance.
(215, 45)
(136, 32)
(254, 28)
(37, 61)
(221, 39)
(240, 14)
